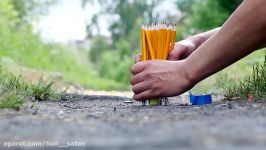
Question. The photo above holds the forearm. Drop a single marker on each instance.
(199, 39)
(185, 47)
(243, 33)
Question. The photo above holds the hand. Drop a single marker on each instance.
(181, 51)
(155, 79)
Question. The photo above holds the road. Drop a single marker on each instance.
(106, 122)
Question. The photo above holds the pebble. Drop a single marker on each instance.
(146, 117)
(224, 105)
(230, 106)
(196, 108)
(35, 111)
(128, 101)
(254, 105)
(60, 114)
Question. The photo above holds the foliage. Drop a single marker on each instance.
(254, 85)
(114, 67)
(11, 101)
(185, 6)
(206, 14)
(124, 15)
(99, 44)
(31, 8)
(202, 15)
(25, 48)
(229, 6)
(15, 91)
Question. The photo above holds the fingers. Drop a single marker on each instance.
(143, 96)
(137, 79)
(137, 58)
(148, 94)
(177, 53)
(182, 50)
(137, 68)
(140, 87)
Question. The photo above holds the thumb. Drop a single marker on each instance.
(178, 52)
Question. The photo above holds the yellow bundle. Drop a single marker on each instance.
(157, 41)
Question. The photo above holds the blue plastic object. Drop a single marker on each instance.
(200, 99)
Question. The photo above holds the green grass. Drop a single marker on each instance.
(14, 91)
(11, 101)
(254, 84)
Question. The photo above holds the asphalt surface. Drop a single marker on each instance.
(104, 122)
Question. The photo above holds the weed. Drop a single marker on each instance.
(254, 85)
(11, 101)
(14, 91)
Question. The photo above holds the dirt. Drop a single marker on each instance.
(107, 122)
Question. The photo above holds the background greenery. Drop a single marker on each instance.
(105, 66)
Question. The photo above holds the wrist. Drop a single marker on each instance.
(191, 75)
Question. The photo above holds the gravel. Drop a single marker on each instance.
(114, 123)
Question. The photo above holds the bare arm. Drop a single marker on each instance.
(199, 39)
(243, 33)
(185, 47)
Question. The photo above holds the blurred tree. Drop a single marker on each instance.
(99, 44)
(229, 5)
(7, 12)
(206, 14)
(124, 15)
(185, 6)
(29, 9)
(201, 15)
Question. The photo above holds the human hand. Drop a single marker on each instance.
(155, 79)
(181, 51)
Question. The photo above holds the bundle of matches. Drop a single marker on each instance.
(157, 40)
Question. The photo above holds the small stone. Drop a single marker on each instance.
(128, 101)
(230, 106)
(146, 117)
(60, 114)
(223, 105)
(35, 111)
(254, 105)
(114, 109)
(196, 108)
